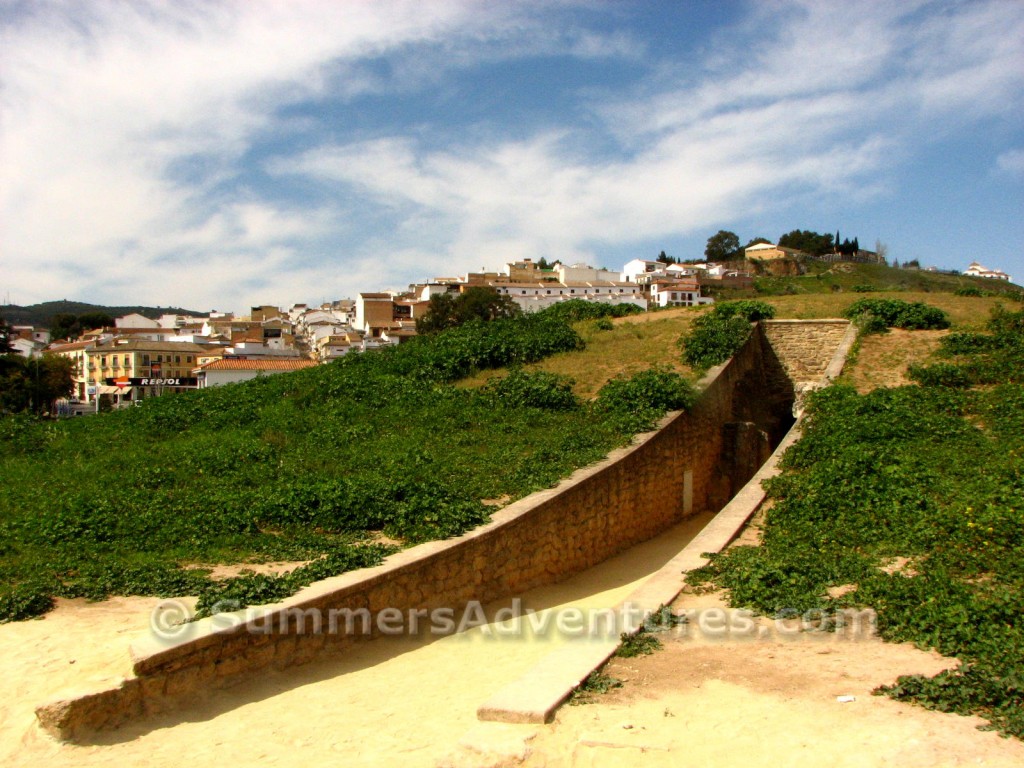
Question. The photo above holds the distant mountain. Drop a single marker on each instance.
(41, 315)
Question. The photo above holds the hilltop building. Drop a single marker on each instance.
(976, 270)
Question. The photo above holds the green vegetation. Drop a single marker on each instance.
(574, 310)
(33, 384)
(878, 315)
(44, 315)
(715, 336)
(299, 467)
(450, 310)
(877, 497)
(640, 643)
(827, 278)
(597, 683)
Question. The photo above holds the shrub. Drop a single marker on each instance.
(532, 390)
(749, 309)
(574, 310)
(939, 375)
(896, 313)
(716, 336)
(637, 402)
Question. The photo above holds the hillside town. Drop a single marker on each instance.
(140, 357)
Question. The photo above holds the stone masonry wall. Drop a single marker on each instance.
(805, 346)
(693, 463)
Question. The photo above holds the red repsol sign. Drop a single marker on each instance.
(181, 381)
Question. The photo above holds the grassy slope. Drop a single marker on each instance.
(640, 341)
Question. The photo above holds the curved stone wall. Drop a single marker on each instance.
(694, 462)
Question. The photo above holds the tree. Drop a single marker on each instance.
(757, 241)
(68, 326)
(882, 250)
(33, 384)
(808, 242)
(664, 258)
(449, 310)
(5, 336)
(722, 246)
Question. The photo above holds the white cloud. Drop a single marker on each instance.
(1012, 162)
(128, 133)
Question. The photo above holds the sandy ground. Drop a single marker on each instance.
(780, 697)
(708, 698)
(390, 701)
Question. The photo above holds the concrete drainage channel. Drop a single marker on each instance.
(537, 695)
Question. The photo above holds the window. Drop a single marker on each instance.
(188, 358)
(177, 358)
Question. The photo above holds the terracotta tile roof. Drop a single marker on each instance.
(233, 364)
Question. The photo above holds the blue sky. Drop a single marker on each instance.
(219, 155)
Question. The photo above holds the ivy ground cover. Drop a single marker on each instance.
(305, 466)
(912, 499)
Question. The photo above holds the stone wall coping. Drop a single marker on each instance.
(809, 321)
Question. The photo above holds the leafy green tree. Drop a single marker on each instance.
(809, 242)
(33, 384)
(450, 310)
(68, 326)
(722, 246)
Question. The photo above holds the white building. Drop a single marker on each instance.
(581, 273)
(532, 297)
(232, 370)
(976, 270)
(637, 268)
(678, 293)
(135, 320)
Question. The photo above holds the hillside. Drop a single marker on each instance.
(41, 315)
(841, 277)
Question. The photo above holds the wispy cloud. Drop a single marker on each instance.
(226, 154)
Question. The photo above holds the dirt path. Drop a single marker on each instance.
(391, 701)
(782, 698)
(707, 698)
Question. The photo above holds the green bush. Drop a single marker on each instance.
(896, 313)
(636, 402)
(574, 310)
(939, 375)
(749, 309)
(718, 335)
(713, 339)
(540, 389)
(971, 291)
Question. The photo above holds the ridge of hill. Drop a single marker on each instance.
(42, 315)
(838, 277)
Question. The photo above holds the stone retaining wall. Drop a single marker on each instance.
(799, 345)
(693, 463)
